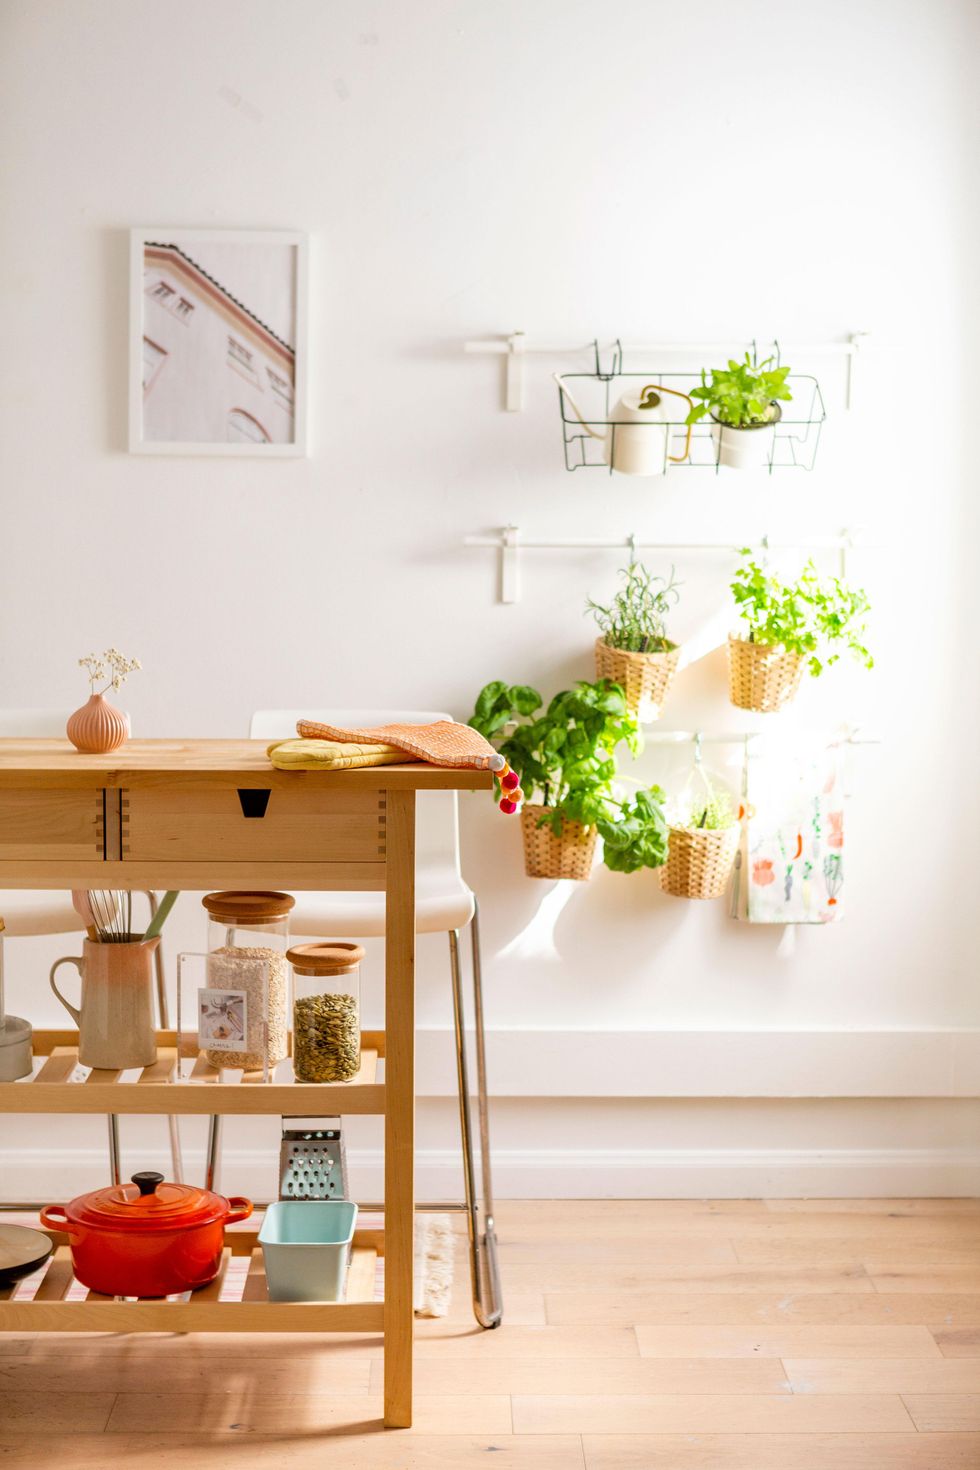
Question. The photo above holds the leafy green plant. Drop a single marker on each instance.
(636, 619)
(814, 617)
(564, 755)
(636, 837)
(742, 394)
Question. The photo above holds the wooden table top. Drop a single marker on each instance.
(58, 763)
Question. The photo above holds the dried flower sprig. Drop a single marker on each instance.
(111, 665)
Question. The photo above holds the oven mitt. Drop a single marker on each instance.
(443, 743)
(331, 755)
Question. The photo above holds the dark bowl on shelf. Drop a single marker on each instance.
(22, 1251)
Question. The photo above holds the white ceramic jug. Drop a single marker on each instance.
(636, 437)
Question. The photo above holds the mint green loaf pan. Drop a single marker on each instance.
(306, 1244)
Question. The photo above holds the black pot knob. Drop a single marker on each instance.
(147, 1181)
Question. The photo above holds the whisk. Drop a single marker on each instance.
(111, 911)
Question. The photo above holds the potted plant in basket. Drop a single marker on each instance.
(633, 649)
(743, 403)
(701, 847)
(793, 628)
(564, 756)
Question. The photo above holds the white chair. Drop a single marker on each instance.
(444, 905)
(27, 912)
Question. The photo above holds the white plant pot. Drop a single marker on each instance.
(745, 449)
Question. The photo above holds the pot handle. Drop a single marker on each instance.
(659, 388)
(240, 1209)
(53, 1217)
(78, 963)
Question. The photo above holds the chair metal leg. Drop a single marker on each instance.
(214, 1150)
(483, 1256)
(483, 1112)
(115, 1168)
(163, 1017)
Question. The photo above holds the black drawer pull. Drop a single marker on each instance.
(253, 802)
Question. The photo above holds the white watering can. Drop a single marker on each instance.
(636, 437)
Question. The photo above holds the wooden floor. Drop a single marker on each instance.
(659, 1335)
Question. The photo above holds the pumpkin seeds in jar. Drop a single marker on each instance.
(326, 1038)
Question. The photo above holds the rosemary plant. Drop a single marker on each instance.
(636, 619)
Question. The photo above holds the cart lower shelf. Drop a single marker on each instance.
(59, 1304)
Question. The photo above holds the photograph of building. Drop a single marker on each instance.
(219, 355)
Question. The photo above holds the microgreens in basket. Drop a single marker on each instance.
(636, 618)
(112, 666)
(813, 617)
(742, 394)
(564, 755)
(712, 814)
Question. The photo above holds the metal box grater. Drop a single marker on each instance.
(312, 1160)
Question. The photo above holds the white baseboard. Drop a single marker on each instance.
(56, 1175)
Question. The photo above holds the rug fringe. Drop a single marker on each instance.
(435, 1243)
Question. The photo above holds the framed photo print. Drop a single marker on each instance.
(217, 342)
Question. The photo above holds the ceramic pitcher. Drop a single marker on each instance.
(115, 1019)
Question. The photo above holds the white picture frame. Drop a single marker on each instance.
(210, 372)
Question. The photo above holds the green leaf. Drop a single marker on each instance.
(487, 698)
(524, 699)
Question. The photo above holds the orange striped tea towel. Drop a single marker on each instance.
(331, 755)
(443, 743)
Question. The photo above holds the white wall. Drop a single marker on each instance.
(641, 169)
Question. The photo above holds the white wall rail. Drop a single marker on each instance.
(515, 347)
(509, 545)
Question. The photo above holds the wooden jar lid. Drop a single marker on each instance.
(338, 957)
(245, 908)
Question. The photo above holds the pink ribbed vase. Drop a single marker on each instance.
(97, 728)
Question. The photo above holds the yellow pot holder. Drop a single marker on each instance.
(332, 755)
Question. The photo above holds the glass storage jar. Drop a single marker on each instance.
(326, 1011)
(248, 934)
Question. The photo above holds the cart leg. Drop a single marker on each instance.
(399, 1107)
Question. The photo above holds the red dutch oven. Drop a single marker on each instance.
(146, 1238)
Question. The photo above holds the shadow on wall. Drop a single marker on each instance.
(613, 923)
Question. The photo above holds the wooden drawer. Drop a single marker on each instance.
(55, 824)
(194, 823)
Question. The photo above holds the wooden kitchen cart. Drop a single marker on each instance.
(186, 814)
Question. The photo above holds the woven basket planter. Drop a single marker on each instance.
(762, 677)
(548, 856)
(699, 861)
(645, 678)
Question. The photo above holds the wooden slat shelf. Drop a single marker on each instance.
(203, 1311)
(60, 1086)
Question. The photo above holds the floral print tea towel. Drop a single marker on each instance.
(790, 865)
